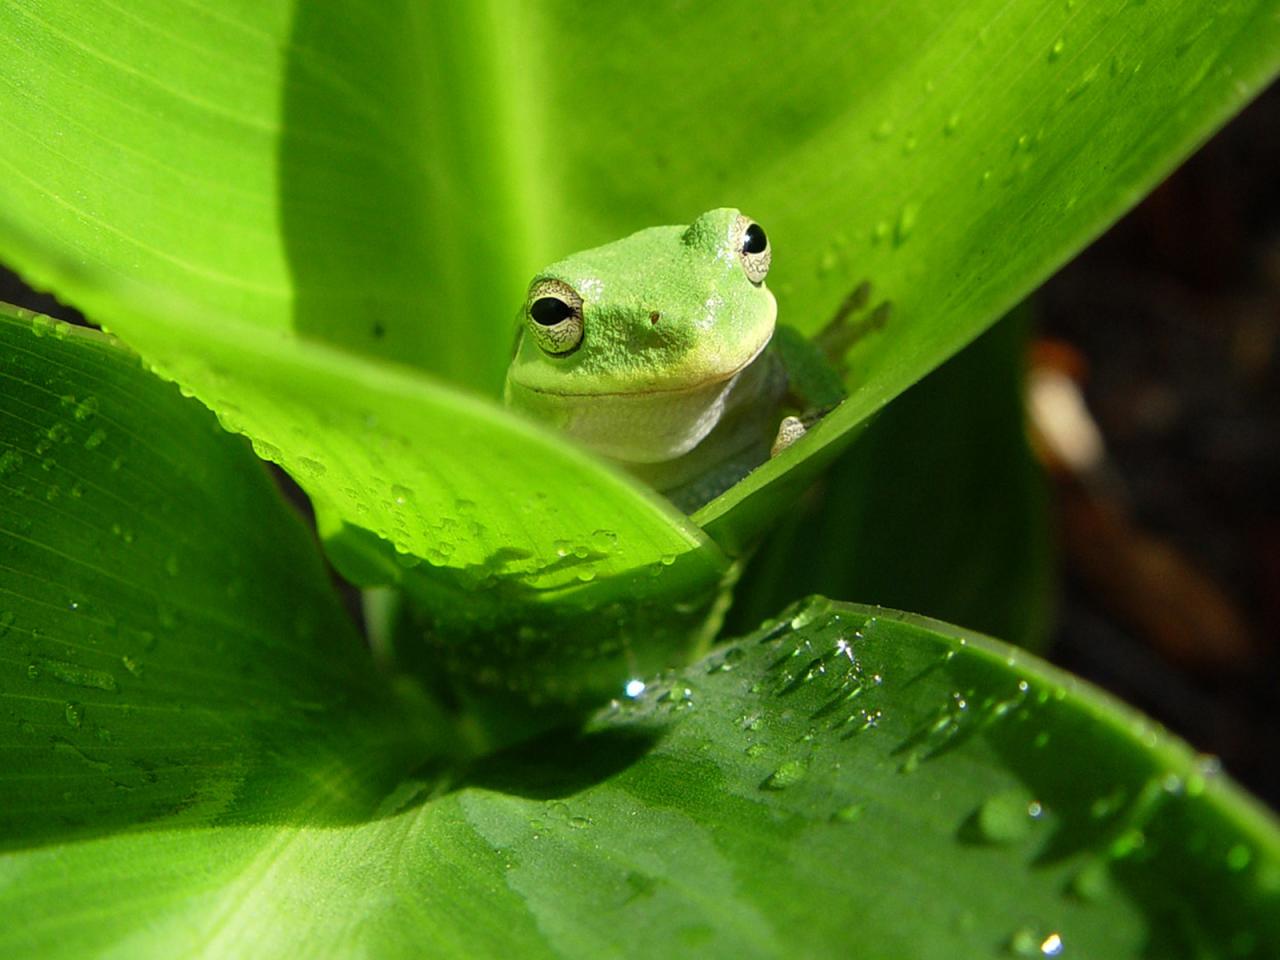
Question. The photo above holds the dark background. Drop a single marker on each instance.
(1175, 313)
(1171, 323)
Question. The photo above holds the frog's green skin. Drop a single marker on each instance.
(658, 351)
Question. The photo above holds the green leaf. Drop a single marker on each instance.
(846, 782)
(151, 143)
(938, 508)
(978, 149)
(169, 640)
(410, 181)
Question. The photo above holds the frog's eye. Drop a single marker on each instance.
(555, 316)
(753, 249)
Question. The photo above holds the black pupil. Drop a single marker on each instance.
(549, 311)
(754, 240)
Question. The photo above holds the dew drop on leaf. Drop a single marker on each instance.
(906, 223)
(1005, 817)
(85, 409)
(1092, 883)
(1033, 940)
(787, 775)
(1238, 857)
(849, 813)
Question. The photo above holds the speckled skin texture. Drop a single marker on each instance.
(669, 319)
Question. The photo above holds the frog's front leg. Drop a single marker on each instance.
(814, 388)
(791, 429)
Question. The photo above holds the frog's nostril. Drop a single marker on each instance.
(655, 317)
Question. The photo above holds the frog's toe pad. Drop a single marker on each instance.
(789, 431)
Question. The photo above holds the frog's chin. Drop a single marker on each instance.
(648, 426)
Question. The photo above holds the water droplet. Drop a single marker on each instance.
(10, 461)
(85, 409)
(677, 698)
(1207, 769)
(401, 494)
(849, 813)
(1092, 883)
(1005, 817)
(1127, 844)
(1107, 804)
(634, 688)
(1033, 940)
(313, 467)
(43, 326)
(952, 125)
(1238, 857)
(6, 621)
(73, 713)
(787, 775)
(74, 674)
(1056, 50)
(884, 131)
(604, 541)
(267, 451)
(906, 223)
(33, 671)
(579, 822)
(754, 750)
(1083, 84)
(132, 665)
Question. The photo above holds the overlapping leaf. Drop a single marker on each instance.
(390, 195)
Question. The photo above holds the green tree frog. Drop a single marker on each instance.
(661, 352)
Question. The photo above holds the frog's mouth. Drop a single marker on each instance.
(705, 383)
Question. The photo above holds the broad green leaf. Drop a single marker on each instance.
(248, 159)
(937, 508)
(170, 646)
(848, 782)
(437, 473)
(979, 147)
(403, 171)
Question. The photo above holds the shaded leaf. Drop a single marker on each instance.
(938, 508)
(169, 640)
(847, 781)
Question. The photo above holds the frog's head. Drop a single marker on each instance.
(664, 310)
